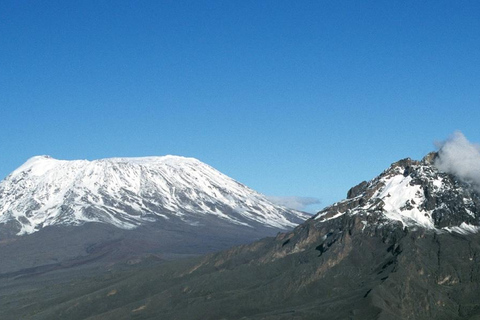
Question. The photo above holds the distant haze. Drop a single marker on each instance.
(297, 203)
(461, 158)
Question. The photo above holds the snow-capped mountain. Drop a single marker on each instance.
(128, 192)
(412, 194)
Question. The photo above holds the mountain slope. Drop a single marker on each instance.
(401, 246)
(57, 215)
(129, 192)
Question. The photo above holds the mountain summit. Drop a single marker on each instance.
(129, 192)
(412, 194)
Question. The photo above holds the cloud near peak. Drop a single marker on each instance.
(297, 203)
(461, 158)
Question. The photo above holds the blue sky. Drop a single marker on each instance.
(292, 98)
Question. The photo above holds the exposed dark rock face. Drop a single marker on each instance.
(357, 190)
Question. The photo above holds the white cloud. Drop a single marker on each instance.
(461, 158)
(297, 203)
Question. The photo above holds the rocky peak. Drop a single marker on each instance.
(430, 158)
(414, 194)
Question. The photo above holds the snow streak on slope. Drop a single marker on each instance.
(127, 192)
(402, 201)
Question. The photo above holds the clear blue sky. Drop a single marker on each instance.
(292, 98)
